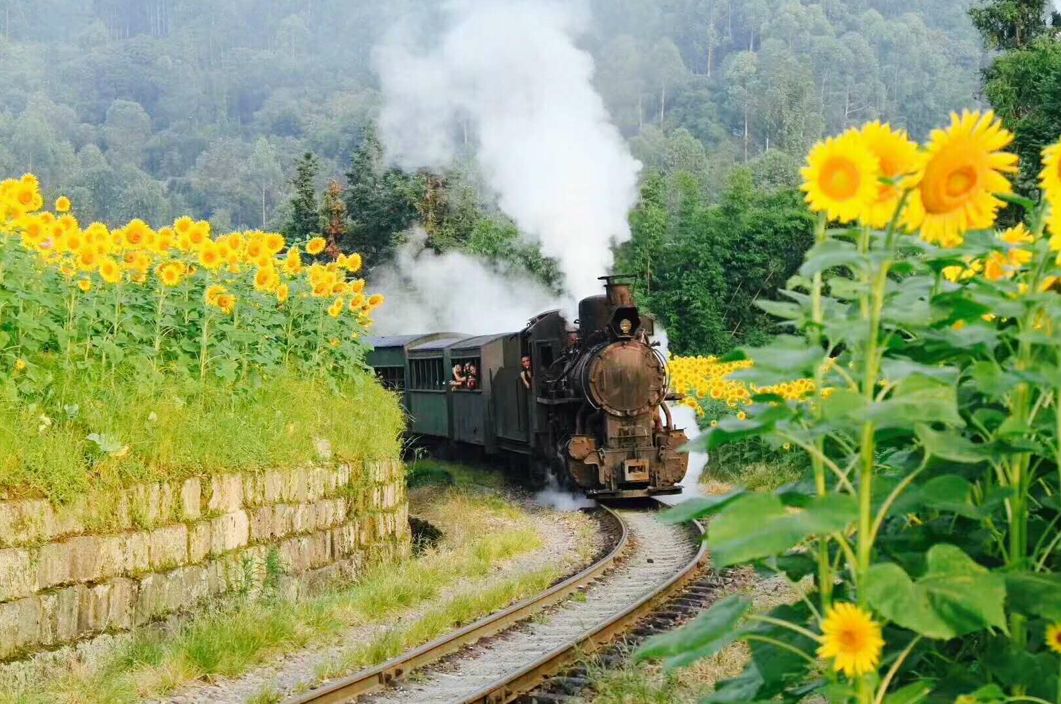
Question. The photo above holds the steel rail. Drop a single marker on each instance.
(375, 678)
(552, 663)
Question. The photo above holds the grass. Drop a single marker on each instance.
(753, 466)
(174, 429)
(480, 532)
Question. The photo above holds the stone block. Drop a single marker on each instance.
(191, 499)
(226, 493)
(35, 520)
(158, 594)
(168, 546)
(59, 615)
(283, 520)
(19, 625)
(16, 577)
(106, 606)
(135, 548)
(261, 524)
(229, 532)
(168, 503)
(198, 541)
(344, 540)
(54, 565)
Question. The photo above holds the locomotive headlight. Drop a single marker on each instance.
(626, 326)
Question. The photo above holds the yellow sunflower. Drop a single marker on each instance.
(170, 273)
(109, 270)
(85, 285)
(852, 639)
(62, 205)
(210, 255)
(841, 177)
(227, 303)
(1053, 637)
(899, 157)
(375, 300)
(212, 294)
(1050, 176)
(336, 308)
(282, 293)
(963, 169)
(316, 245)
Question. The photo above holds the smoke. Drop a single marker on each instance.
(429, 292)
(1057, 6)
(684, 418)
(506, 78)
(554, 497)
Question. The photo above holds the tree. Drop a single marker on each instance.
(1024, 82)
(333, 213)
(304, 220)
(382, 203)
(1010, 24)
(264, 172)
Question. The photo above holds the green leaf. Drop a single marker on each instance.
(950, 445)
(742, 688)
(755, 526)
(910, 694)
(781, 309)
(949, 492)
(1035, 594)
(699, 507)
(787, 353)
(917, 399)
(828, 254)
(955, 596)
(707, 634)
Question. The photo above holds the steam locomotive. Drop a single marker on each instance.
(586, 406)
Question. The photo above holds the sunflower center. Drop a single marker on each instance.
(961, 181)
(840, 179)
(852, 640)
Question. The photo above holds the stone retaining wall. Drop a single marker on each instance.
(113, 562)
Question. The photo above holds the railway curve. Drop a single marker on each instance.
(508, 654)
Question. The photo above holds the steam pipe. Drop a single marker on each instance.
(667, 415)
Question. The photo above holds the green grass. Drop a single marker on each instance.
(176, 429)
(230, 641)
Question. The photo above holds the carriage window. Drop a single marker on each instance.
(545, 355)
(427, 374)
(465, 374)
(391, 377)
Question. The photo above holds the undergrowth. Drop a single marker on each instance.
(164, 429)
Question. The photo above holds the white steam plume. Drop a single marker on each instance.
(1057, 6)
(507, 75)
(429, 292)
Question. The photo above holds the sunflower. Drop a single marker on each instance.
(210, 255)
(316, 245)
(62, 205)
(899, 158)
(85, 285)
(375, 300)
(266, 279)
(852, 638)
(1050, 176)
(336, 308)
(227, 303)
(964, 168)
(353, 263)
(213, 293)
(170, 273)
(841, 177)
(87, 260)
(1053, 637)
(282, 293)
(109, 270)
(274, 243)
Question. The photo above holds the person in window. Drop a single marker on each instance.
(526, 374)
(459, 379)
(471, 376)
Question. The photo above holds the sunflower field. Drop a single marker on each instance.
(920, 377)
(116, 343)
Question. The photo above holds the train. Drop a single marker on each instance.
(584, 403)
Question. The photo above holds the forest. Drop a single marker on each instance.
(260, 114)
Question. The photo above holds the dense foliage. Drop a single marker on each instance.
(926, 355)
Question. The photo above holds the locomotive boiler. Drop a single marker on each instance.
(586, 404)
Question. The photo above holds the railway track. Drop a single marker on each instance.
(506, 655)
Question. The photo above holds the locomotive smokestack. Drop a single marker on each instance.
(619, 293)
